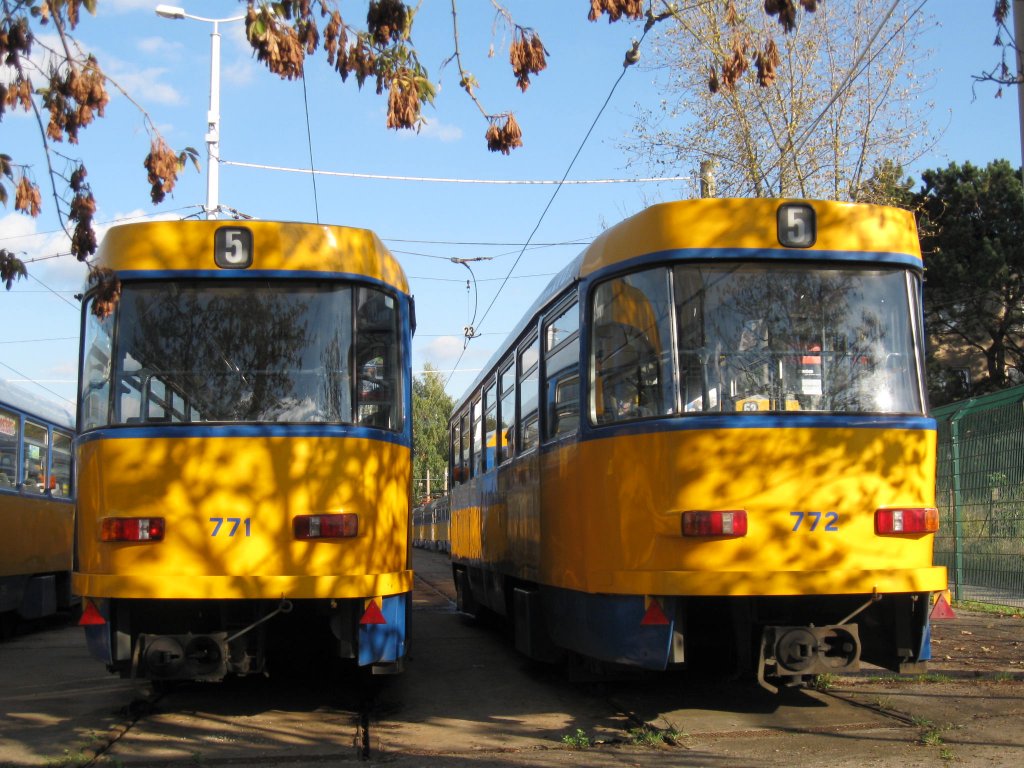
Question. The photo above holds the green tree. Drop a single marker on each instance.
(973, 241)
(888, 186)
(431, 409)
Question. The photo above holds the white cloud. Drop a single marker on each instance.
(146, 82)
(126, 6)
(239, 72)
(15, 225)
(160, 46)
(436, 129)
(46, 254)
(441, 352)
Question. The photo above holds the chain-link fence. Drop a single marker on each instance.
(980, 495)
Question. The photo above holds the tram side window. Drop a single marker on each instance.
(631, 348)
(455, 447)
(506, 438)
(377, 394)
(36, 443)
(10, 435)
(478, 439)
(60, 470)
(562, 373)
(491, 431)
(95, 394)
(464, 446)
(529, 380)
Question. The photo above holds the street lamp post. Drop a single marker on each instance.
(213, 116)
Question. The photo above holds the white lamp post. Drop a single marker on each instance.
(213, 116)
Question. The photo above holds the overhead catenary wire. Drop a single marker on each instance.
(118, 220)
(444, 180)
(37, 383)
(309, 141)
(631, 58)
(55, 293)
(856, 68)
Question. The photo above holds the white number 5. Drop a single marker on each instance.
(232, 248)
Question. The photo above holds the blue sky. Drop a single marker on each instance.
(164, 66)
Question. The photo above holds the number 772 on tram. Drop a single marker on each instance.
(712, 448)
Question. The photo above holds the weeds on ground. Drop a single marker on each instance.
(69, 759)
(927, 677)
(578, 740)
(824, 682)
(931, 677)
(647, 736)
(1002, 610)
(932, 737)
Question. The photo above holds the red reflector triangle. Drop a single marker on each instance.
(373, 614)
(654, 615)
(91, 616)
(942, 609)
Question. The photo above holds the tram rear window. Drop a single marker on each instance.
(245, 351)
(754, 338)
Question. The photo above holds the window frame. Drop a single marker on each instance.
(559, 310)
(531, 340)
(489, 392)
(505, 448)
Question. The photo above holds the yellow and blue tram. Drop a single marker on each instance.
(713, 448)
(244, 455)
(36, 506)
(430, 525)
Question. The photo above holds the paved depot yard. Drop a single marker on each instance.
(467, 699)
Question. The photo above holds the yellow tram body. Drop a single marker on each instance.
(36, 506)
(714, 447)
(245, 459)
(266, 482)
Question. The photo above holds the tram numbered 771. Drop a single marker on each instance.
(244, 461)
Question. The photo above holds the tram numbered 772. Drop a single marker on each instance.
(712, 448)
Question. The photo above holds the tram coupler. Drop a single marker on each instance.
(182, 657)
(794, 654)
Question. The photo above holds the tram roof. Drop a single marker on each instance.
(728, 228)
(43, 408)
(188, 246)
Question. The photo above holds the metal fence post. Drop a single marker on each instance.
(957, 504)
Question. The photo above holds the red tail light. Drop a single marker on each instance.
(729, 522)
(343, 526)
(906, 520)
(132, 529)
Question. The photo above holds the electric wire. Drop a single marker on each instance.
(101, 223)
(445, 180)
(855, 69)
(39, 341)
(625, 68)
(482, 279)
(55, 293)
(37, 383)
(309, 141)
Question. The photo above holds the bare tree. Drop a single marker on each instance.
(838, 98)
(66, 89)
(1008, 70)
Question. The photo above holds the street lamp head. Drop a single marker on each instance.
(170, 12)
